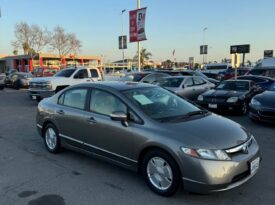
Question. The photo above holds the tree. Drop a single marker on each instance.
(31, 39)
(64, 43)
(15, 52)
(144, 55)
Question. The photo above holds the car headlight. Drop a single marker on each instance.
(255, 102)
(206, 153)
(232, 99)
(200, 98)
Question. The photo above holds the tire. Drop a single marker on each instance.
(51, 138)
(161, 172)
(244, 109)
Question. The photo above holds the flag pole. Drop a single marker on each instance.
(138, 43)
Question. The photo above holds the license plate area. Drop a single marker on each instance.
(213, 106)
(254, 165)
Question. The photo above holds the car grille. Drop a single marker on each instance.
(215, 100)
(267, 113)
(37, 85)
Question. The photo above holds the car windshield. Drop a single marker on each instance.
(65, 73)
(28, 75)
(160, 104)
(272, 87)
(233, 85)
(134, 77)
(170, 82)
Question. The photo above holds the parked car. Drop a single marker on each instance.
(47, 86)
(10, 71)
(45, 72)
(266, 71)
(198, 73)
(216, 76)
(189, 87)
(230, 73)
(232, 95)
(149, 129)
(2, 81)
(216, 67)
(18, 80)
(262, 106)
(144, 77)
(262, 81)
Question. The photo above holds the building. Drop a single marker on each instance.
(24, 63)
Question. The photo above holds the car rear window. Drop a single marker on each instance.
(171, 82)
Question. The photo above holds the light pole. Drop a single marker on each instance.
(122, 33)
(138, 44)
(203, 44)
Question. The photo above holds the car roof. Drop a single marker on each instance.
(257, 76)
(116, 85)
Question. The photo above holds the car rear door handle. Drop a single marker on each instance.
(60, 112)
(91, 120)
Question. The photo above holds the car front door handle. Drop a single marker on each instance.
(60, 112)
(91, 120)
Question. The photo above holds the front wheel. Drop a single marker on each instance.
(161, 173)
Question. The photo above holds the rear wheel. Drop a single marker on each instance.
(51, 139)
(161, 172)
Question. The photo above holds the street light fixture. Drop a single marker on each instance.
(203, 43)
(122, 34)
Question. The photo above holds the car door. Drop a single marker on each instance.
(69, 114)
(187, 88)
(200, 86)
(104, 136)
(95, 75)
(81, 76)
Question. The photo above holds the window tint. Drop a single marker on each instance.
(94, 73)
(171, 82)
(189, 82)
(198, 81)
(65, 73)
(75, 98)
(81, 74)
(105, 103)
(149, 78)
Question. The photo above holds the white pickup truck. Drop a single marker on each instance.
(40, 88)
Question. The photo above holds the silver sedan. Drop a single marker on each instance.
(189, 87)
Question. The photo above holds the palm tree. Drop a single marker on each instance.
(144, 56)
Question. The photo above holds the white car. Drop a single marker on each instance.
(47, 86)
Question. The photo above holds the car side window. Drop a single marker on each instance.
(198, 81)
(94, 73)
(75, 98)
(106, 103)
(189, 82)
(81, 74)
(149, 78)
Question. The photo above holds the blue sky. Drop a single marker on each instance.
(170, 24)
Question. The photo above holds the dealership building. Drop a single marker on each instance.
(24, 63)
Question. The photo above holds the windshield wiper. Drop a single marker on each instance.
(198, 112)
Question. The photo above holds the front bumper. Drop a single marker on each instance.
(206, 176)
(262, 114)
(41, 93)
(221, 106)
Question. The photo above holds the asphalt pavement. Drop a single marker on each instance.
(30, 175)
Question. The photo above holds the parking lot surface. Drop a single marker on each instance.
(31, 175)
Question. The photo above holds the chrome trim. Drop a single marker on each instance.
(104, 150)
(40, 126)
(92, 146)
(239, 148)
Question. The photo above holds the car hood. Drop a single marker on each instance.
(46, 79)
(210, 132)
(267, 99)
(223, 93)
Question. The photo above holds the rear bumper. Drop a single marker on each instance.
(207, 176)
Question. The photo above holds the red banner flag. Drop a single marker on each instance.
(137, 25)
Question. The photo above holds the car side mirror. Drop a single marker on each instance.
(119, 116)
